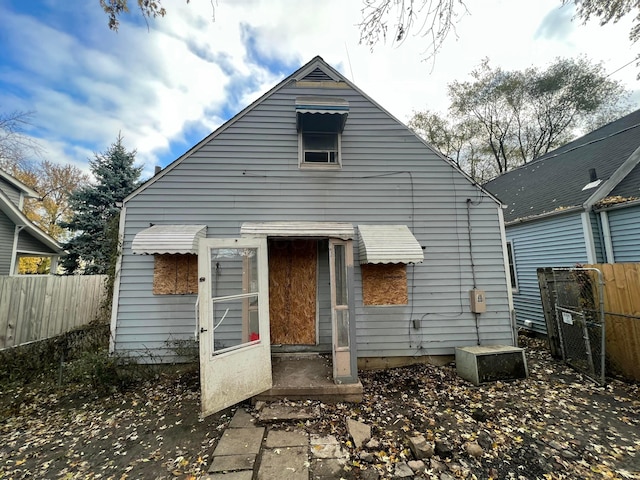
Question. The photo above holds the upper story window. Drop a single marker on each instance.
(320, 122)
(320, 148)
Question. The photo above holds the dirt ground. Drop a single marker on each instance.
(554, 425)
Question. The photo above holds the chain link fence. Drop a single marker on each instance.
(580, 321)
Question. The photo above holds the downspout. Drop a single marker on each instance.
(606, 233)
(13, 266)
(505, 259)
(588, 236)
(116, 282)
(54, 264)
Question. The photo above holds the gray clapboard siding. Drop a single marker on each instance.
(625, 233)
(7, 231)
(27, 243)
(249, 173)
(553, 242)
(10, 191)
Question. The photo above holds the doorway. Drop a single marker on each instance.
(293, 287)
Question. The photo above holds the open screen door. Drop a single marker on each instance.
(235, 353)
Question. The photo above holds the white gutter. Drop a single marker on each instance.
(541, 216)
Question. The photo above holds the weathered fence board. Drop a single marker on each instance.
(38, 307)
(622, 313)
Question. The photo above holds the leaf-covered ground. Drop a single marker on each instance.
(554, 425)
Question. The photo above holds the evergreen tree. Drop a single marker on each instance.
(94, 248)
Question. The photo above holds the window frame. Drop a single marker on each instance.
(337, 165)
(511, 260)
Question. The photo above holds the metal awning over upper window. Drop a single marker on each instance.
(169, 239)
(321, 114)
(388, 244)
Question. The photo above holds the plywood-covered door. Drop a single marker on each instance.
(292, 291)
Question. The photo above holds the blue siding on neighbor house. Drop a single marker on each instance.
(624, 224)
(556, 241)
(598, 238)
(249, 172)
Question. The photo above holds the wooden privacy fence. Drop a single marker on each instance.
(38, 307)
(622, 316)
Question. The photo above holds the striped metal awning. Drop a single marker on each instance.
(168, 239)
(388, 244)
(340, 230)
(321, 114)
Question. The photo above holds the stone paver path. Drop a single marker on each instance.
(244, 452)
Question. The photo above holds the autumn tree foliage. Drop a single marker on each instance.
(501, 119)
(54, 183)
(93, 248)
(21, 156)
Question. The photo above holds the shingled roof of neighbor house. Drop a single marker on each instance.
(556, 181)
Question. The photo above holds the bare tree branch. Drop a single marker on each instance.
(15, 144)
(433, 19)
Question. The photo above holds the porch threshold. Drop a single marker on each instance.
(308, 377)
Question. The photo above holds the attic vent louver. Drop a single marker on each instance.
(317, 76)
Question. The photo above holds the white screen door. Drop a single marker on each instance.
(235, 353)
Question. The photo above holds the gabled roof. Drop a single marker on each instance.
(19, 218)
(556, 181)
(316, 71)
(28, 192)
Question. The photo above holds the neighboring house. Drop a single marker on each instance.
(579, 204)
(312, 221)
(19, 237)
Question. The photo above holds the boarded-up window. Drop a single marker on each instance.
(175, 274)
(384, 284)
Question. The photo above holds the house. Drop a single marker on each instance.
(19, 237)
(312, 221)
(579, 204)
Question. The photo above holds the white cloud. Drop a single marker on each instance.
(185, 75)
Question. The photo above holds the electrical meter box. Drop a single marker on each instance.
(478, 301)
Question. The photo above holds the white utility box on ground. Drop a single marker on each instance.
(489, 363)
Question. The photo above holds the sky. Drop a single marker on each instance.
(166, 84)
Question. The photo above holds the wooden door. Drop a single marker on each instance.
(293, 283)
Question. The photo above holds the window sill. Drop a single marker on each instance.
(319, 166)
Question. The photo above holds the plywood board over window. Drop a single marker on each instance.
(384, 284)
(175, 274)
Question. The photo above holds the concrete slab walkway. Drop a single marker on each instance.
(247, 451)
